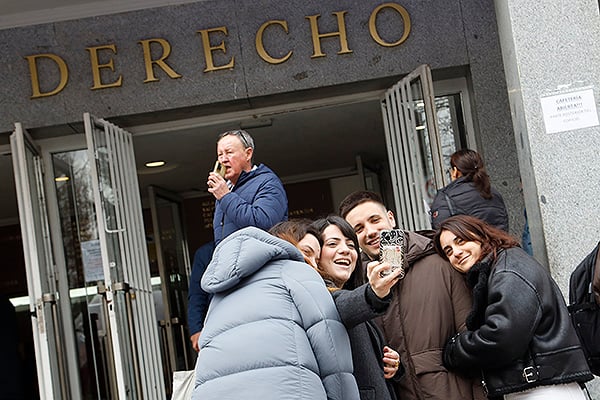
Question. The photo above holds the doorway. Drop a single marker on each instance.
(324, 148)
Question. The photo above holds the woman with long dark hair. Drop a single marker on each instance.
(519, 334)
(375, 363)
(469, 193)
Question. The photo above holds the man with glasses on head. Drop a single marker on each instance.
(246, 195)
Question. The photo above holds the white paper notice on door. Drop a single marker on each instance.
(92, 261)
(570, 111)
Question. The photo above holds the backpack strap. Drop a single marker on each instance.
(450, 204)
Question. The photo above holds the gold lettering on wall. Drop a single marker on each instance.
(373, 27)
(148, 61)
(316, 36)
(35, 83)
(96, 66)
(260, 48)
(208, 49)
(156, 51)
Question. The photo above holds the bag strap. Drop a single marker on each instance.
(450, 204)
(592, 297)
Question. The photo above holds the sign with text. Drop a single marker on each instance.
(569, 111)
(92, 261)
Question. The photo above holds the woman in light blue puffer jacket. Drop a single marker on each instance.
(272, 330)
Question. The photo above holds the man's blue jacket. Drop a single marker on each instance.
(258, 199)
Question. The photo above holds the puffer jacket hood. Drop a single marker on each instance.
(258, 247)
(272, 331)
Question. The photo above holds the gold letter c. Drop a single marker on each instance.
(260, 48)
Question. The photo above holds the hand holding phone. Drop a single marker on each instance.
(392, 250)
(219, 169)
(217, 186)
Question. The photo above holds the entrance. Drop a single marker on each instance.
(91, 295)
(321, 149)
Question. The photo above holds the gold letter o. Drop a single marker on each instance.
(405, 18)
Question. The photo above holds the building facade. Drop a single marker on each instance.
(339, 96)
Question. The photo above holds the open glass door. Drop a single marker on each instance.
(414, 150)
(40, 267)
(127, 291)
(171, 253)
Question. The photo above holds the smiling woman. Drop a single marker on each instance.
(375, 363)
(519, 334)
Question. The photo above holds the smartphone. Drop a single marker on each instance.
(219, 169)
(392, 249)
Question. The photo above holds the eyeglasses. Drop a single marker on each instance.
(244, 137)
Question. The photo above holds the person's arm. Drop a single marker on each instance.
(369, 300)
(267, 208)
(198, 299)
(439, 210)
(354, 308)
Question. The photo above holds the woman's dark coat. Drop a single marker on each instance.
(519, 331)
(462, 197)
(357, 308)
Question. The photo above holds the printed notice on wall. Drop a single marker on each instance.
(569, 111)
(92, 261)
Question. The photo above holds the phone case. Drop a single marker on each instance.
(392, 249)
(219, 169)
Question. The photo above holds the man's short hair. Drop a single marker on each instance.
(241, 134)
(356, 198)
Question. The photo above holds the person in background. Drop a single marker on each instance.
(469, 193)
(247, 195)
(519, 333)
(198, 299)
(375, 363)
(272, 331)
(430, 303)
(302, 235)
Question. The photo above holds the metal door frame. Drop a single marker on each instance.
(170, 320)
(127, 249)
(52, 342)
(404, 156)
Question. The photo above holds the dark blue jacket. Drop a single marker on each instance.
(198, 299)
(465, 199)
(258, 199)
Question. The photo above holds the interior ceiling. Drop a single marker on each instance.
(299, 145)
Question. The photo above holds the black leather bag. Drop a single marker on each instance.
(584, 311)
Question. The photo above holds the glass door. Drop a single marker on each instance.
(134, 347)
(171, 254)
(42, 276)
(414, 150)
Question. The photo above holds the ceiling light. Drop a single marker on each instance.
(62, 178)
(154, 164)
